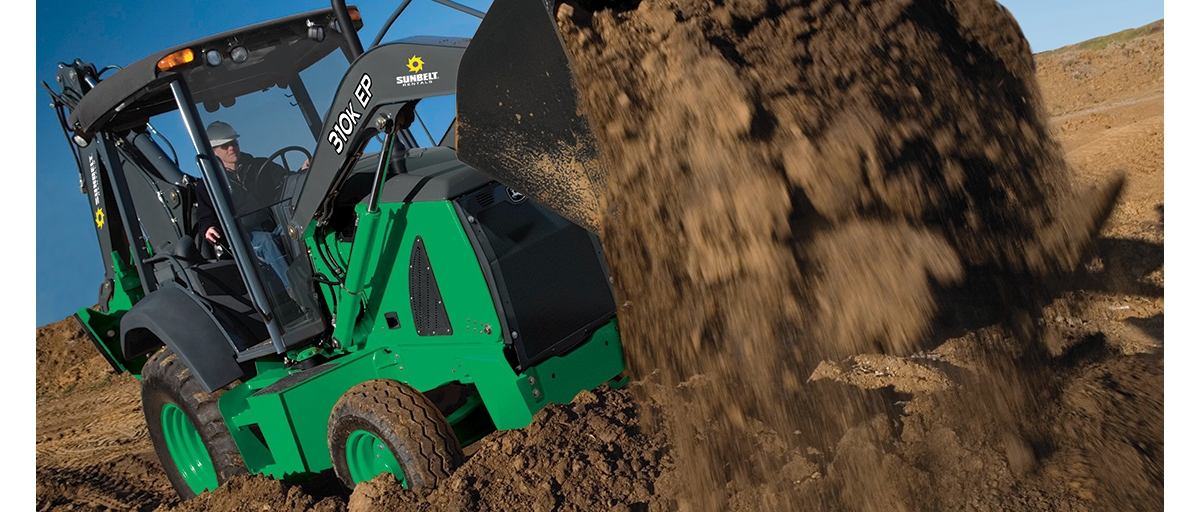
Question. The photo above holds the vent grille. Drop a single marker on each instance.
(429, 313)
(485, 198)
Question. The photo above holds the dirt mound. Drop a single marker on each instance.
(589, 455)
(729, 262)
(66, 358)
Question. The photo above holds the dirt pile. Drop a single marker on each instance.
(798, 181)
(66, 358)
(960, 414)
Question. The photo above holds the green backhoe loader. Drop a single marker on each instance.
(420, 297)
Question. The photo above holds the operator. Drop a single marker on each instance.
(254, 183)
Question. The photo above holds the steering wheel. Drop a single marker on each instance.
(283, 151)
(277, 187)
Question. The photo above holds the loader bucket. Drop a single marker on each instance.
(519, 119)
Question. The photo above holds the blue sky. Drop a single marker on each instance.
(1052, 24)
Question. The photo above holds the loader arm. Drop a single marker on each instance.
(383, 82)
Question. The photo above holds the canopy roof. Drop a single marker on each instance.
(278, 49)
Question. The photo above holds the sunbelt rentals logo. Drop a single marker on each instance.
(415, 66)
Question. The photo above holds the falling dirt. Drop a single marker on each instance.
(843, 177)
(861, 262)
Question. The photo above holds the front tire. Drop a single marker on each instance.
(384, 426)
(187, 430)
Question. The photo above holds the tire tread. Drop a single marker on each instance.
(417, 424)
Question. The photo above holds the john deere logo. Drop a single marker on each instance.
(515, 196)
(415, 64)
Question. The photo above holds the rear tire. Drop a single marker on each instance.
(189, 435)
(385, 426)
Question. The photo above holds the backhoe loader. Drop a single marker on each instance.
(431, 294)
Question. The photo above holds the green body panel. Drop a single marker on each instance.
(559, 379)
(292, 418)
(351, 291)
(377, 279)
(127, 289)
(105, 328)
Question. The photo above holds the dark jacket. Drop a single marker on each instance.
(253, 186)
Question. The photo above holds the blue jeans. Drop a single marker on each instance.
(266, 247)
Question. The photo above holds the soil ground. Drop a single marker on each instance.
(958, 411)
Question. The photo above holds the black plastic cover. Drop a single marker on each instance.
(174, 317)
(549, 274)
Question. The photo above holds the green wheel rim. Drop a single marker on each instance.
(187, 450)
(367, 457)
